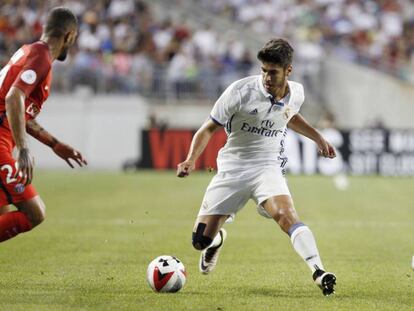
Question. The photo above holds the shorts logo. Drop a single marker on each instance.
(19, 188)
(28, 76)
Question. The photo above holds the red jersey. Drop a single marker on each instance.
(29, 69)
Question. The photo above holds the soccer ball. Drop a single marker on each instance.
(166, 274)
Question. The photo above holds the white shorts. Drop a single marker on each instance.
(229, 191)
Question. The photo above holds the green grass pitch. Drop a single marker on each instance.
(103, 229)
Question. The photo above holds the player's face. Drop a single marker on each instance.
(69, 40)
(274, 76)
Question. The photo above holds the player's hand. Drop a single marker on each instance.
(185, 168)
(24, 172)
(67, 153)
(326, 150)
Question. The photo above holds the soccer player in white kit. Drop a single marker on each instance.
(255, 112)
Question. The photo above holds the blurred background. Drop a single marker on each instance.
(144, 75)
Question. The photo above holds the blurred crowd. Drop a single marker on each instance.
(375, 33)
(122, 47)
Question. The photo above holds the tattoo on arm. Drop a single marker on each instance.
(35, 130)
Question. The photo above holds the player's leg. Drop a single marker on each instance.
(226, 194)
(206, 231)
(275, 201)
(5, 209)
(208, 237)
(29, 214)
(282, 210)
(30, 207)
(34, 209)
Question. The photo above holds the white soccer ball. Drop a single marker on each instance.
(166, 274)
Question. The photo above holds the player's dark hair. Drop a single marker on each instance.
(276, 51)
(59, 21)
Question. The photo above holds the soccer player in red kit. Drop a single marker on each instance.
(24, 86)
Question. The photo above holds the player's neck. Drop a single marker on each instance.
(54, 46)
(279, 93)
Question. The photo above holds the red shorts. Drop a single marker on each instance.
(12, 191)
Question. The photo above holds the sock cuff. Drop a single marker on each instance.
(298, 230)
(294, 227)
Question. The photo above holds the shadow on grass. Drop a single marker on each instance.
(277, 293)
(246, 292)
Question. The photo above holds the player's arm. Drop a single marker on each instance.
(34, 70)
(35, 130)
(64, 151)
(198, 144)
(301, 126)
(15, 111)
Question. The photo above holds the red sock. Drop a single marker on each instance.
(13, 223)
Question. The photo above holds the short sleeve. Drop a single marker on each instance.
(34, 70)
(227, 104)
(298, 94)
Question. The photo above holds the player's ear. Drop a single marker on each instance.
(66, 38)
(288, 70)
(70, 37)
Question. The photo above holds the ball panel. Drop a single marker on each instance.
(161, 279)
(166, 274)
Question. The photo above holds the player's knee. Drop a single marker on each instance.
(37, 214)
(285, 216)
(279, 214)
(201, 241)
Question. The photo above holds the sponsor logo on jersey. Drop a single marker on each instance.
(28, 76)
(268, 124)
(19, 188)
(32, 110)
(262, 131)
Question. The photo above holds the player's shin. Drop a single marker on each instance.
(304, 244)
(13, 223)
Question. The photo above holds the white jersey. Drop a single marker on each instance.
(255, 123)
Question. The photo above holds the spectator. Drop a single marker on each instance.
(124, 47)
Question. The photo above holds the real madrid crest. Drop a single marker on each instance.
(286, 114)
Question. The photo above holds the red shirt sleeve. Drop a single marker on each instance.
(34, 70)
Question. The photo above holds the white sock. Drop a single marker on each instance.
(305, 245)
(216, 241)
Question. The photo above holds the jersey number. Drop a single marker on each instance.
(14, 59)
(9, 169)
(284, 161)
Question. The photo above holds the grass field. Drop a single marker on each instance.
(103, 229)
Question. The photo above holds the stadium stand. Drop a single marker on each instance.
(130, 46)
(379, 34)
